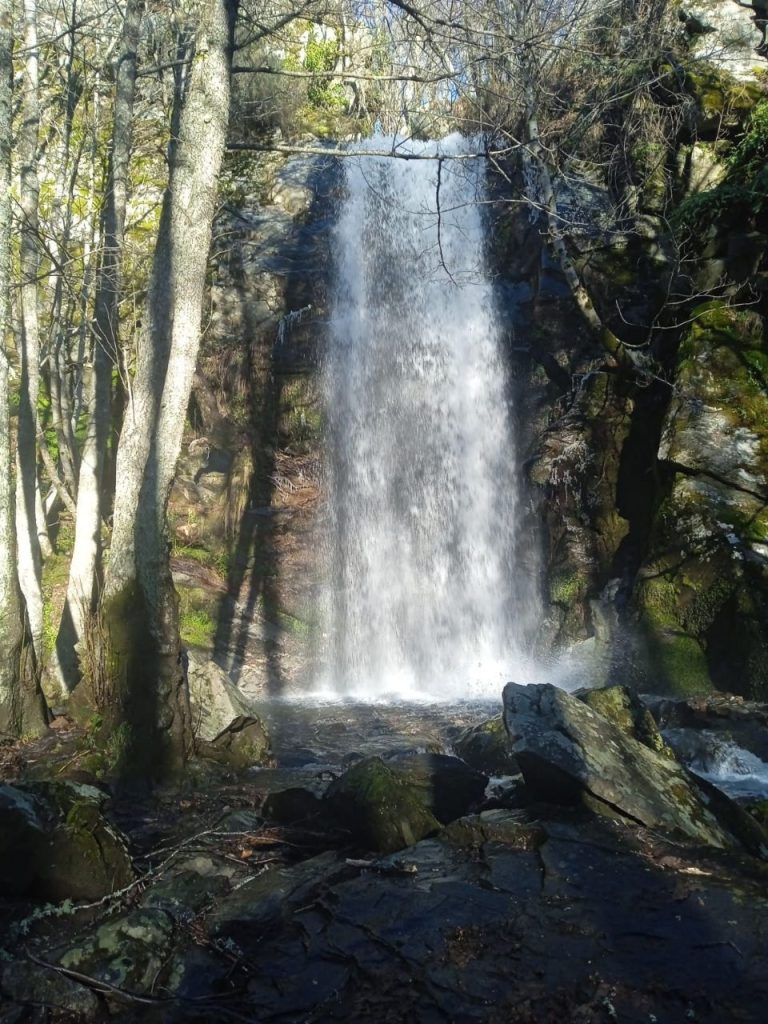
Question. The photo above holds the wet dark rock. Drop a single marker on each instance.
(244, 743)
(240, 821)
(569, 754)
(511, 829)
(622, 707)
(25, 982)
(288, 806)
(446, 786)
(486, 747)
(380, 810)
(268, 899)
(22, 829)
(186, 893)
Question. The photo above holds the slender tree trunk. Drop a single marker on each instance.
(148, 693)
(86, 555)
(28, 504)
(22, 709)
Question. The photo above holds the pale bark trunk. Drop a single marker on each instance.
(140, 610)
(31, 530)
(86, 554)
(22, 709)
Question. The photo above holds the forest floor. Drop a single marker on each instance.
(528, 914)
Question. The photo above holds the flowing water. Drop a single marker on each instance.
(428, 595)
(717, 758)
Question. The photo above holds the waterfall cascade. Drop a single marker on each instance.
(427, 595)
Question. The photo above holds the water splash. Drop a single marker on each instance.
(428, 598)
(715, 756)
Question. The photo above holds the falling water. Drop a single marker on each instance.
(428, 599)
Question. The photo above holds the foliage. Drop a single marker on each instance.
(743, 194)
(322, 56)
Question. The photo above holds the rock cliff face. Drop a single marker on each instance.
(649, 493)
(651, 500)
(245, 504)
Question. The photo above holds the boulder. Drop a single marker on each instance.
(445, 785)
(622, 707)
(486, 747)
(570, 754)
(244, 743)
(129, 952)
(25, 982)
(215, 700)
(56, 844)
(22, 830)
(379, 808)
(291, 805)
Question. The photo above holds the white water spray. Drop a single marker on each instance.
(427, 597)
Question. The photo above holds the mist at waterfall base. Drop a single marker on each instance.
(430, 582)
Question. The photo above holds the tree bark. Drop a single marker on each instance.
(85, 567)
(146, 681)
(31, 532)
(22, 708)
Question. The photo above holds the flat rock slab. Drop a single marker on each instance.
(598, 922)
(586, 927)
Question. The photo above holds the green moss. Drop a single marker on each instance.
(677, 658)
(198, 615)
(197, 628)
(295, 626)
(736, 327)
(698, 614)
(681, 664)
(659, 600)
(566, 588)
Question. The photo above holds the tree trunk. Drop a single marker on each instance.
(22, 709)
(28, 504)
(147, 690)
(86, 554)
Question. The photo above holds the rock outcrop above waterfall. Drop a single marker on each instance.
(570, 754)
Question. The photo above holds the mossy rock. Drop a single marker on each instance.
(380, 810)
(445, 785)
(287, 806)
(567, 588)
(245, 743)
(678, 663)
(723, 103)
(130, 952)
(486, 747)
(56, 844)
(622, 707)
(86, 858)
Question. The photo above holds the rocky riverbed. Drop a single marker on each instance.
(371, 874)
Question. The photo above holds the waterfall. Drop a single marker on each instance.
(427, 598)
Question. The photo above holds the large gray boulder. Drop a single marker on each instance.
(216, 701)
(569, 754)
